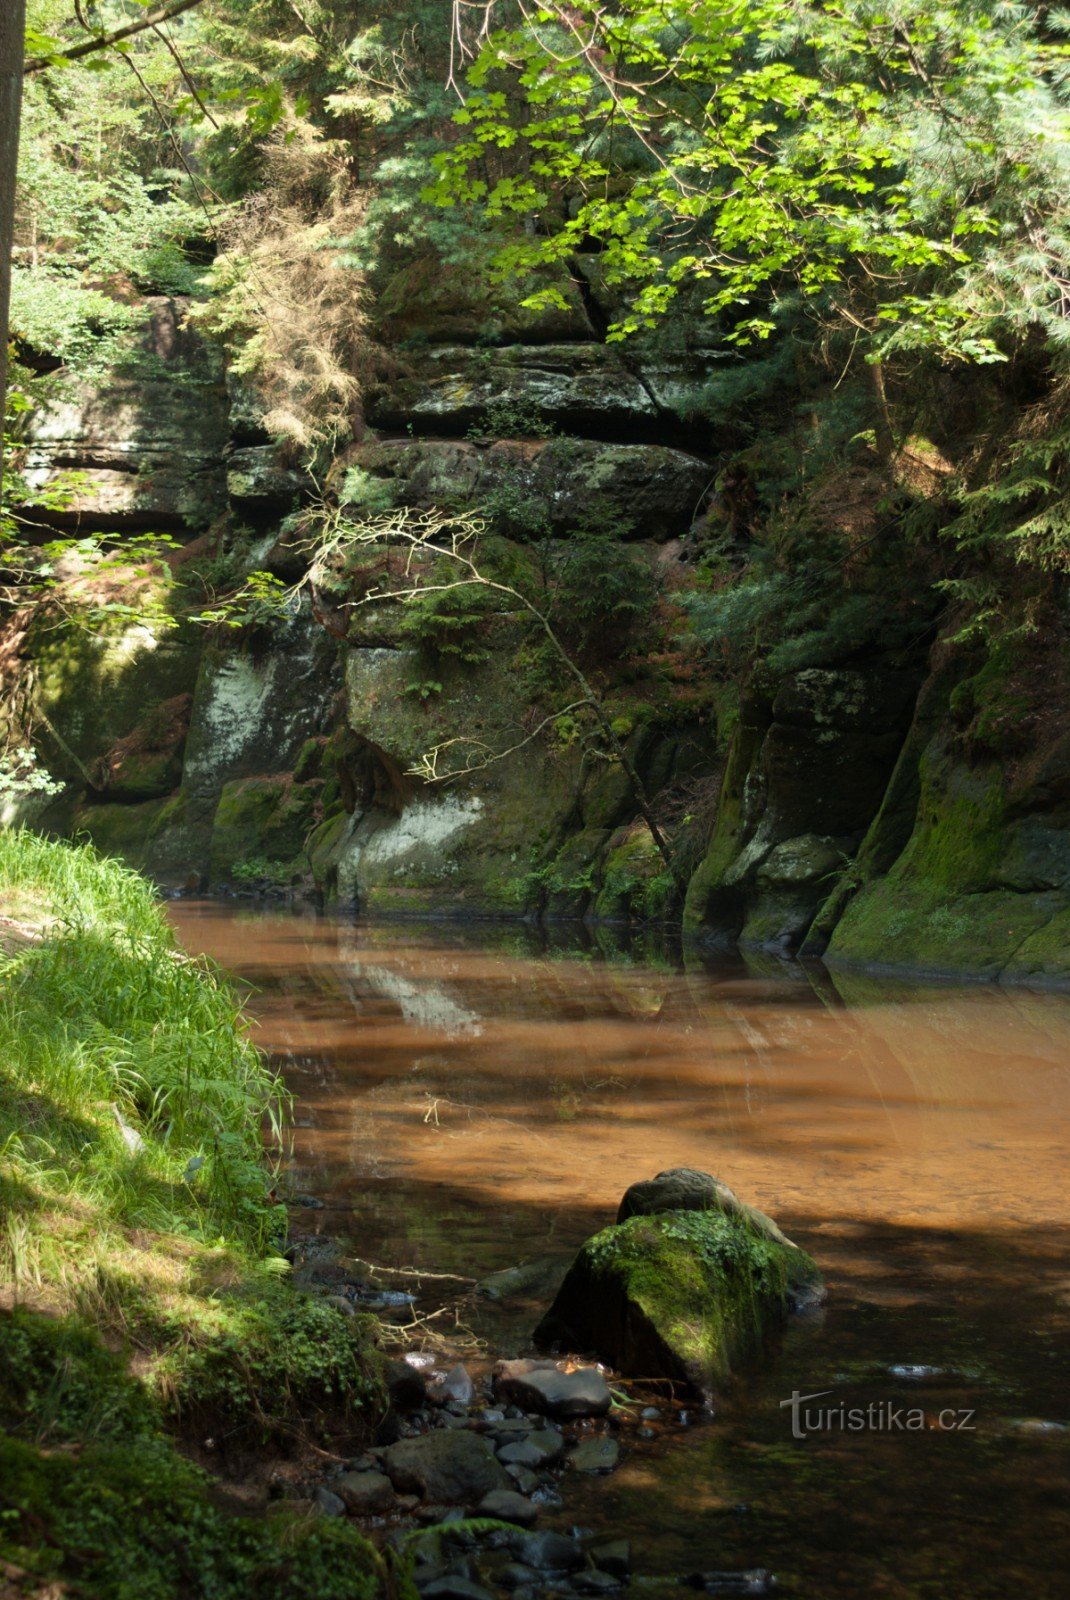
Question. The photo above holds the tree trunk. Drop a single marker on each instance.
(12, 43)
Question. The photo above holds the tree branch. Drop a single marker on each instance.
(105, 41)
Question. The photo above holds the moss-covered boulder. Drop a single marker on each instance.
(688, 1295)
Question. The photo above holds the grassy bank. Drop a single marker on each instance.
(143, 1296)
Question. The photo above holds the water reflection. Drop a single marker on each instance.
(469, 1099)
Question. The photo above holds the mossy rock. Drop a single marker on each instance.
(691, 1296)
(260, 819)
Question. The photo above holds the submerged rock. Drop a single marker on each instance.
(551, 1387)
(451, 1465)
(687, 1294)
(595, 1455)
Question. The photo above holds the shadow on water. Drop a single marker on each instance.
(472, 1098)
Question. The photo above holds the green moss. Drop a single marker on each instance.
(265, 818)
(706, 1283)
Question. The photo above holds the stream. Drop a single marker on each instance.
(469, 1098)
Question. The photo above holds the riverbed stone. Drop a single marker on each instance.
(689, 1296)
(596, 1583)
(550, 1552)
(550, 1387)
(539, 1449)
(613, 1556)
(456, 1386)
(365, 1494)
(508, 1506)
(454, 1588)
(453, 1466)
(595, 1455)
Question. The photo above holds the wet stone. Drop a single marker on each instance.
(549, 1387)
(539, 1449)
(515, 1574)
(456, 1386)
(450, 1588)
(525, 1480)
(596, 1583)
(595, 1455)
(508, 1506)
(550, 1552)
(452, 1466)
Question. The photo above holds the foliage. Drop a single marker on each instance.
(904, 171)
(107, 1012)
(272, 1362)
(602, 594)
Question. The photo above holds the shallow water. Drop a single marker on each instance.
(469, 1099)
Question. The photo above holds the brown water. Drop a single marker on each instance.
(471, 1099)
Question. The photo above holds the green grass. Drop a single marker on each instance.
(141, 1284)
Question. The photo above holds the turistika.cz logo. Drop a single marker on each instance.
(879, 1416)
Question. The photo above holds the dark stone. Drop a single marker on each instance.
(615, 1556)
(516, 1573)
(525, 1480)
(539, 1449)
(595, 1583)
(550, 1552)
(405, 1387)
(365, 1494)
(548, 1387)
(451, 1588)
(330, 1504)
(453, 1466)
(508, 1506)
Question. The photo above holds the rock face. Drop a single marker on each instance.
(146, 442)
(538, 487)
(806, 772)
(689, 1294)
(579, 388)
(448, 1467)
